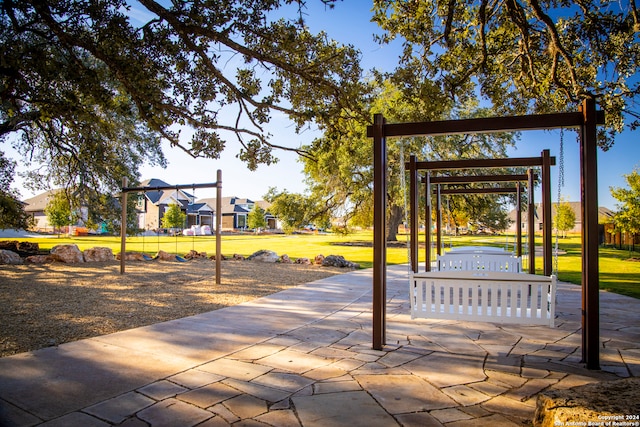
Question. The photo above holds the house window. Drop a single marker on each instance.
(540, 226)
(140, 202)
(242, 221)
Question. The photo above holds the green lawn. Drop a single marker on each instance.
(617, 273)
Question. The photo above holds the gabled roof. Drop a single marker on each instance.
(39, 202)
(199, 208)
(229, 205)
(162, 196)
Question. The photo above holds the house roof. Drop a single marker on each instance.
(39, 202)
(163, 196)
(233, 205)
(199, 208)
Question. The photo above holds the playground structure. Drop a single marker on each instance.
(586, 120)
(123, 225)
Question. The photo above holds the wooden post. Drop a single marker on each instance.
(519, 219)
(218, 225)
(546, 214)
(531, 211)
(413, 211)
(427, 223)
(379, 232)
(590, 268)
(438, 221)
(123, 225)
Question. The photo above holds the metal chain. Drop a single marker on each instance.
(559, 199)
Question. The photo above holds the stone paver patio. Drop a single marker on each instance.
(303, 357)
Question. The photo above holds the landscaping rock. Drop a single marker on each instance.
(38, 259)
(238, 257)
(603, 402)
(284, 259)
(98, 254)
(195, 255)
(303, 261)
(132, 256)
(9, 257)
(165, 256)
(319, 259)
(263, 256)
(21, 248)
(67, 253)
(338, 261)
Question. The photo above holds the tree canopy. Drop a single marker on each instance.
(340, 170)
(523, 57)
(91, 89)
(627, 218)
(173, 217)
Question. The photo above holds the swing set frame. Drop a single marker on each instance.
(123, 224)
(586, 120)
(545, 161)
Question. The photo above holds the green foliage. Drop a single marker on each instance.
(173, 217)
(59, 210)
(565, 218)
(627, 218)
(12, 214)
(256, 218)
(522, 56)
(340, 171)
(295, 211)
(89, 92)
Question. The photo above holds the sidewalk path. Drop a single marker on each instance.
(303, 357)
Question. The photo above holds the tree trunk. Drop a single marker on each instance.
(395, 219)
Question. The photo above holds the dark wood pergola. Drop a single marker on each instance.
(518, 179)
(545, 161)
(586, 120)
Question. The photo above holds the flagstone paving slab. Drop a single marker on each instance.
(333, 409)
(119, 408)
(172, 412)
(304, 357)
(400, 394)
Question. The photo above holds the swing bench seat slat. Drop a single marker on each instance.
(479, 261)
(486, 296)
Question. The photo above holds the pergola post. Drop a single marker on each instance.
(438, 221)
(546, 213)
(427, 223)
(518, 220)
(379, 232)
(413, 211)
(590, 237)
(531, 215)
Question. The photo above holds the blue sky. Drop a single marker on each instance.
(349, 23)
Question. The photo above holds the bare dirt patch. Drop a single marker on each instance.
(50, 304)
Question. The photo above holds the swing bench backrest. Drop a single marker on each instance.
(484, 296)
(474, 261)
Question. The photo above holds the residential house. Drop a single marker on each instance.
(35, 207)
(152, 204)
(538, 217)
(235, 212)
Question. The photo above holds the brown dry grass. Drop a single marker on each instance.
(50, 304)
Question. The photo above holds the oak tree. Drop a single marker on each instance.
(522, 57)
